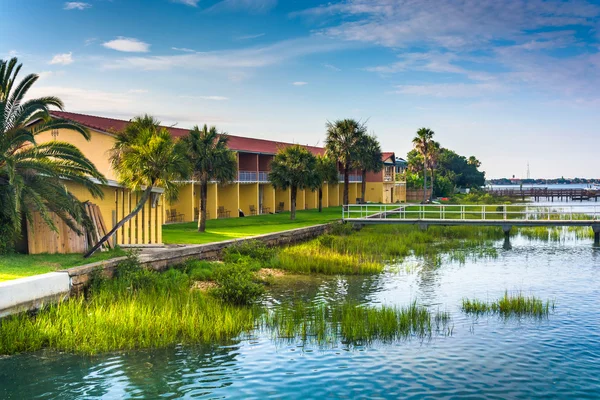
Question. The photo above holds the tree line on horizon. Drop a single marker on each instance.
(444, 168)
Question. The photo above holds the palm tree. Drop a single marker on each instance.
(432, 160)
(210, 158)
(294, 167)
(474, 161)
(32, 175)
(145, 156)
(369, 159)
(328, 173)
(421, 143)
(343, 144)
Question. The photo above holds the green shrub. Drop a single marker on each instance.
(7, 238)
(200, 270)
(250, 248)
(340, 229)
(236, 284)
(326, 240)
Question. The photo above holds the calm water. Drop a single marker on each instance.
(484, 357)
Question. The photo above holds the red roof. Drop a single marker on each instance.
(238, 143)
(387, 155)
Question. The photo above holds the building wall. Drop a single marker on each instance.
(248, 197)
(333, 198)
(228, 196)
(374, 192)
(268, 197)
(97, 149)
(282, 196)
(311, 199)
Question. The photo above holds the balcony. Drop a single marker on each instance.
(352, 178)
(247, 176)
(388, 178)
(263, 177)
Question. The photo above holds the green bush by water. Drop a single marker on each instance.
(236, 284)
(510, 305)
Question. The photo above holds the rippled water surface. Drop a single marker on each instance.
(491, 357)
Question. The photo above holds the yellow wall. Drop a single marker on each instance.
(211, 200)
(400, 192)
(228, 196)
(311, 198)
(96, 149)
(185, 204)
(300, 200)
(333, 197)
(374, 192)
(268, 197)
(282, 196)
(248, 197)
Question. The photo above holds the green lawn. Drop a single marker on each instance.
(20, 265)
(232, 228)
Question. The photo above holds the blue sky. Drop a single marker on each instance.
(510, 81)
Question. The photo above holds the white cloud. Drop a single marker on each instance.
(185, 50)
(62, 59)
(449, 23)
(248, 37)
(252, 6)
(252, 57)
(450, 89)
(332, 67)
(76, 5)
(89, 41)
(193, 3)
(299, 83)
(211, 98)
(129, 45)
(137, 91)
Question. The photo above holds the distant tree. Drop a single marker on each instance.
(369, 159)
(328, 173)
(144, 157)
(294, 167)
(474, 161)
(421, 142)
(343, 144)
(210, 159)
(33, 176)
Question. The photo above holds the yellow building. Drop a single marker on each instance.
(251, 193)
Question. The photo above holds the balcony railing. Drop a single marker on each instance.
(247, 176)
(388, 178)
(352, 178)
(263, 176)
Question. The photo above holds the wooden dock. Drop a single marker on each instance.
(548, 194)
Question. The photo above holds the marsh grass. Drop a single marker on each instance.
(311, 257)
(557, 234)
(510, 305)
(352, 323)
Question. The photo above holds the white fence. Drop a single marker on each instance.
(442, 212)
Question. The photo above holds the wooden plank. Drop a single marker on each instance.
(110, 241)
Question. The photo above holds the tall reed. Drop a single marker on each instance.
(510, 305)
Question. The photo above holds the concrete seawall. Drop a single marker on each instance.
(32, 292)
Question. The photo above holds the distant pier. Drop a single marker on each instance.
(546, 193)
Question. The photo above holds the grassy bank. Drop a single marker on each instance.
(218, 230)
(15, 266)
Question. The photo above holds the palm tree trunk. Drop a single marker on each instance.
(363, 186)
(346, 183)
(321, 199)
(424, 178)
(294, 191)
(432, 180)
(202, 216)
(136, 210)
